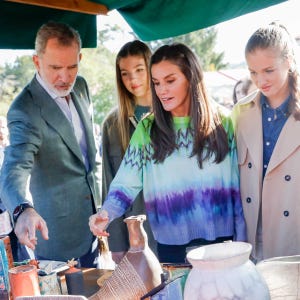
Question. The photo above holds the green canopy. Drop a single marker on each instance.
(149, 19)
(19, 24)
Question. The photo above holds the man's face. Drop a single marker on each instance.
(58, 66)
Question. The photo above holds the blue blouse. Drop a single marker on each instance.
(273, 120)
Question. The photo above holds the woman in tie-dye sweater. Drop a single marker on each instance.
(184, 159)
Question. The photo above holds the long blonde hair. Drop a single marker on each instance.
(126, 100)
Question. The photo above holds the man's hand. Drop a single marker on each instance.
(27, 224)
(98, 223)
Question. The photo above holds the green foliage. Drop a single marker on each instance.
(202, 42)
(97, 67)
(13, 77)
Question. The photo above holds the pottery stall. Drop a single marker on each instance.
(217, 271)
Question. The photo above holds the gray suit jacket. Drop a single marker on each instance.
(44, 152)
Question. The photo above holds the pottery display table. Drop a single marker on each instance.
(282, 275)
(90, 277)
(93, 277)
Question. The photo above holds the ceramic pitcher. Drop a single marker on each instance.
(223, 271)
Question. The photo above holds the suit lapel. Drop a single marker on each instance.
(53, 115)
(286, 144)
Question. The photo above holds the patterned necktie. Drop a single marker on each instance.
(68, 98)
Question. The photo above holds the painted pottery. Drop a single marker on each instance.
(138, 272)
(223, 271)
(49, 284)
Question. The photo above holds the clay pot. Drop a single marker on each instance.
(138, 272)
(74, 281)
(24, 281)
(224, 271)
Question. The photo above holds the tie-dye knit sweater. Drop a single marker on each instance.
(183, 202)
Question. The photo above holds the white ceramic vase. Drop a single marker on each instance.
(223, 271)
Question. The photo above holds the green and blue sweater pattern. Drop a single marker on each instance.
(183, 202)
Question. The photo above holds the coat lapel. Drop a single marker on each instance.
(53, 115)
(250, 123)
(286, 144)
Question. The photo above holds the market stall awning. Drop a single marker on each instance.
(149, 19)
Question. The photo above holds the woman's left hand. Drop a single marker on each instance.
(98, 223)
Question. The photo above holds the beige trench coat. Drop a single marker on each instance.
(279, 194)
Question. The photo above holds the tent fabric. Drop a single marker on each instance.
(158, 19)
(149, 19)
(19, 24)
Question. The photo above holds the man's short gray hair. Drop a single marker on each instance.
(65, 34)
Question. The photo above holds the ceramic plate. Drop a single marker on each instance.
(53, 266)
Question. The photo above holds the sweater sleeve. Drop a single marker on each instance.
(128, 181)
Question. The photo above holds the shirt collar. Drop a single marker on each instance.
(44, 85)
(283, 108)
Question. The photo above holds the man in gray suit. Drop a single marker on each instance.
(50, 176)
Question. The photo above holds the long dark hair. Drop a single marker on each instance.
(209, 135)
(275, 36)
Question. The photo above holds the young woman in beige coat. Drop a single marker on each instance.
(268, 142)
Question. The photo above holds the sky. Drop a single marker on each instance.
(232, 35)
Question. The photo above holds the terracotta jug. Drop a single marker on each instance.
(24, 281)
(138, 272)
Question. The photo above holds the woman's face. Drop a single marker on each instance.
(269, 72)
(171, 87)
(239, 92)
(134, 75)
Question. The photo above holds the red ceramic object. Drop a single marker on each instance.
(24, 281)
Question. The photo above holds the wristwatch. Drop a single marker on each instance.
(19, 209)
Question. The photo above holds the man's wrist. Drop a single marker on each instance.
(19, 210)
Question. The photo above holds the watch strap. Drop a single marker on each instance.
(19, 209)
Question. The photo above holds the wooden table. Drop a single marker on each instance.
(90, 277)
(282, 276)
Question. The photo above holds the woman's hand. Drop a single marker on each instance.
(98, 223)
